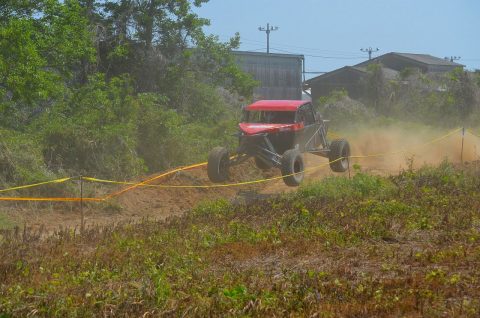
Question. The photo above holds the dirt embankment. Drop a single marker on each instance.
(160, 203)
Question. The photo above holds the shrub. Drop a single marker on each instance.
(21, 159)
(360, 186)
(93, 131)
(343, 111)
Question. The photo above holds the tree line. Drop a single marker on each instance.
(111, 88)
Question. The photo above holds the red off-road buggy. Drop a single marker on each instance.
(276, 133)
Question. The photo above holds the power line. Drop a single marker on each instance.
(322, 56)
(256, 50)
(335, 57)
(267, 30)
(334, 52)
(346, 54)
(328, 56)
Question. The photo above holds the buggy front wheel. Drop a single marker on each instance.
(292, 168)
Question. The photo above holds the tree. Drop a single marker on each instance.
(462, 90)
(41, 52)
(376, 87)
(101, 86)
(148, 35)
(19, 9)
(24, 77)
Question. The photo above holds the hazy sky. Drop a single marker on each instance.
(331, 33)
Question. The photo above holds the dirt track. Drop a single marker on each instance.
(159, 203)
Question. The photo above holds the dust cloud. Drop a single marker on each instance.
(403, 146)
(419, 146)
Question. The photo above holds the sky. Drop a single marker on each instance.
(331, 33)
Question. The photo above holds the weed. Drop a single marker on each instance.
(5, 222)
(360, 186)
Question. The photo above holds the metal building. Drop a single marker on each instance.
(280, 75)
(350, 77)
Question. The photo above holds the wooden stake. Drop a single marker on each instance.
(82, 217)
(348, 162)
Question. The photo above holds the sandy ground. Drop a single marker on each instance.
(160, 203)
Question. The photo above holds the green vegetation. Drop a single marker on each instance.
(111, 88)
(444, 100)
(5, 222)
(406, 245)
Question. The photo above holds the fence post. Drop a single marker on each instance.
(82, 217)
(463, 138)
(348, 163)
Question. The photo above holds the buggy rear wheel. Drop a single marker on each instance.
(292, 168)
(218, 164)
(339, 155)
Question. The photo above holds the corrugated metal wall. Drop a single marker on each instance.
(280, 75)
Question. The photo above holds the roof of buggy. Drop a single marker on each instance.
(277, 105)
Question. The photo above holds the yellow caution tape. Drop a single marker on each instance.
(472, 133)
(213, 185)
(145, 183)
(50, 199)
(36, 184)
(153, 179)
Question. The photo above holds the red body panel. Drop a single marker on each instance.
(257, 128)
(276, 105)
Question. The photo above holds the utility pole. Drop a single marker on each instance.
(452, 58)
(370, 51)
(267, 30)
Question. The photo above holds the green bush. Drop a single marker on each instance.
(157, 132)
(93, 131)
(444, 177)
(21, 159)
(343, 111)
(168, 138)
(359, 186)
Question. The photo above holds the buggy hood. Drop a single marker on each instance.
(257, 128)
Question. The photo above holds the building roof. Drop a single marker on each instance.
(277, 105)
(387, 72)
(426, 59)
